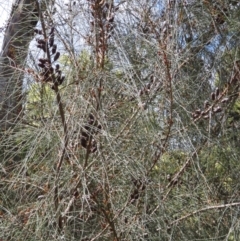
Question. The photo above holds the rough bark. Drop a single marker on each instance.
(18, 34)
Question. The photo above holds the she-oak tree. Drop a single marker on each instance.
(129, 128)
(18, 33)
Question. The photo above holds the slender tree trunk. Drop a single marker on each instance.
(18, 34)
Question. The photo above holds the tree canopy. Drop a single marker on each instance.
(120, 120)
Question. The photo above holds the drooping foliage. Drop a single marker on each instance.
(129, 125)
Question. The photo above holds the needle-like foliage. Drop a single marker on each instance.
(129, 123)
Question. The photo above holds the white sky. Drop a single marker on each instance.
(5, 9)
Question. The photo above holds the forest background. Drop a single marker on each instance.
(119, 120)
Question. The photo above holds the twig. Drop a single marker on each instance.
(62, 115)
(205, 209)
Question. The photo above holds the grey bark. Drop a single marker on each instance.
(14, 52)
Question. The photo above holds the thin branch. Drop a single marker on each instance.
(205, 209)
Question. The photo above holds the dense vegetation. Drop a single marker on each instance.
(127, 121)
